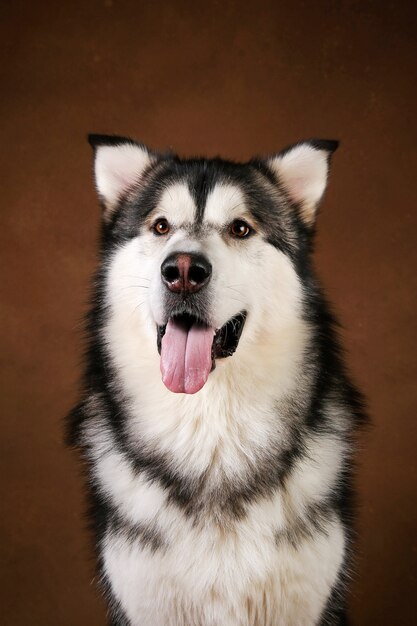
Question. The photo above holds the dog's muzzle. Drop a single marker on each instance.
(188, 344)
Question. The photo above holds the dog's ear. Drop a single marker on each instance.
(119, 163)
(302, 171)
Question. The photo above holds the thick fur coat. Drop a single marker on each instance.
(221, 490)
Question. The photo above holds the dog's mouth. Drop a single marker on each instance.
(189, 348)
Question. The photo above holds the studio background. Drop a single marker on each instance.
(235, 78)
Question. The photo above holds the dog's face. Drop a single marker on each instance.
(205, 254)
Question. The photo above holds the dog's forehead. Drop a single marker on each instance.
(225, 202)
(218, 204)
(177, 203)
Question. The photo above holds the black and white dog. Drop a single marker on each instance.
(217, 419)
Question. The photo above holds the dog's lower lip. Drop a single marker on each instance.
(227, 338)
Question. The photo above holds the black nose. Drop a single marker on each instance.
(185, 272)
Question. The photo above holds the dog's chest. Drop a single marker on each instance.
(186, 574)
(166, 567)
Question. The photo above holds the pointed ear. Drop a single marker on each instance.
(302, 171)
(119, 163)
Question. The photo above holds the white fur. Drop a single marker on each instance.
(137, 498)
(318, 473)
(177, 205)
(235, 566)
(236, 578)
(211, 573)
(142, 500)
(224, 203)
(303, 172)
(117, 168)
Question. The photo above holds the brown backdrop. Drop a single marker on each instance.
(231, 77)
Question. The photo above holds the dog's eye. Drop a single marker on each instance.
(240, 229)
(161, 227)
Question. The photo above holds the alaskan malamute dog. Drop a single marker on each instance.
(217, 419)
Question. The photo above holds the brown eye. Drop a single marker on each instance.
(161, 227)
(240, 229)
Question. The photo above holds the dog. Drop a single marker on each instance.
(216, 420)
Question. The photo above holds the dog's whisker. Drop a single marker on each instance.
(237, 290)
(136, 308)
(237, 206)
(136, 277)
(233, 194)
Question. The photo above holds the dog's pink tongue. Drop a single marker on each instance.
(186, 357)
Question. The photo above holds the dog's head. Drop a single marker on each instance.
(207, 255)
